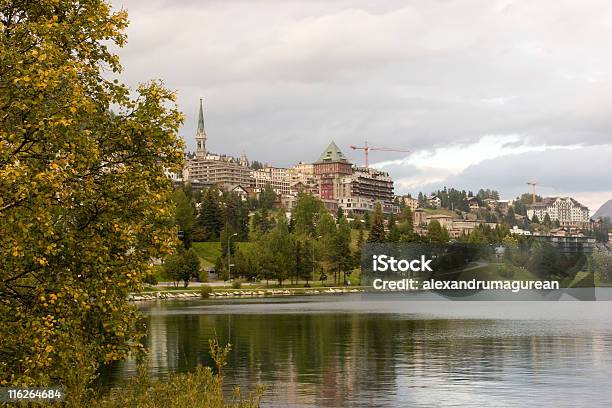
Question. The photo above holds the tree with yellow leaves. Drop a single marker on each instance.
(84, 200)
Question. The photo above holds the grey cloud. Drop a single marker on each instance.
(282, 78)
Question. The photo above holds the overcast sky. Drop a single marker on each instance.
(483, 93)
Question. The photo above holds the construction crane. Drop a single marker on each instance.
(366, 150)
(533, 185)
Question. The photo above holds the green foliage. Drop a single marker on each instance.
(477, 236)
(199, 389)
(377, 225)
(236, 284)
(601, 264)
(437, 233)
(261, 221)
(245, 262)
(228, 241)
(306, 213)
(184, 216)
(394, 232)
(210, 220)
(236, 215)
(205, 291)
(267, 198)
(339, 214)
(150, 279)
(84, 200)
(183, 266)
(510, 217)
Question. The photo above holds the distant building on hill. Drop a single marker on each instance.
(354, 189)
(276, 177)
(207, 169)
(330, 168)
(434, 201)
(565, 210)
(410, 202)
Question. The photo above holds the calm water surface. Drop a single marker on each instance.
(337, 351)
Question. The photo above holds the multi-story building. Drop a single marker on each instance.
(434, 201)
(566, 210)
(330, 168)
(276, 177)
(410, 202)
(303, 178)
(212, 169)
(366, 186)
(355, 189)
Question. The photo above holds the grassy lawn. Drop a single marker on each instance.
(210, 251)
(439, 211)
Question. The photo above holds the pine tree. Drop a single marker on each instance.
(394, 232)
(339, 214)
(210, 220)
(436, 233)
(184, 215)
(377, 225)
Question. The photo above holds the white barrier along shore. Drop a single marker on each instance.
(238, 293)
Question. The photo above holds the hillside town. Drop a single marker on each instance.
(356, 190)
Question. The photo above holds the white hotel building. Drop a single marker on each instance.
(566, 210)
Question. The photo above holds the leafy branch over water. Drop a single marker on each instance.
(201, 388)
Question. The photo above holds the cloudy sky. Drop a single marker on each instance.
(483, 93)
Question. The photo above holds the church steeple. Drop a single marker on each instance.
(201, 134)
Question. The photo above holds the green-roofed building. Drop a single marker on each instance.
(332, 154)
(331, 166)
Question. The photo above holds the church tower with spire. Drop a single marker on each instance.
(201, 135)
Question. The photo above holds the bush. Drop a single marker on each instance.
(150, 279)
(200, 389)
(205, 291)
(506, 271)
(236, 284)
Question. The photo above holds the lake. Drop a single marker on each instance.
(384, 351)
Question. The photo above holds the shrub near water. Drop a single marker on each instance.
(200, 389)
(205, 291)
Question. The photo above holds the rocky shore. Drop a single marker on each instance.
(228, 293)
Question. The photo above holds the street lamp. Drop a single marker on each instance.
(313, 258)
(229, 254)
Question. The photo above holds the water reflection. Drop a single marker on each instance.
(343, 352)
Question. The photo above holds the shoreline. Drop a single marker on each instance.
(238, 293)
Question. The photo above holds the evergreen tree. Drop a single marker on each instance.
(267, 197)
(210, 220)
(236, 215)
(436, 233)
(227, 238)
(394, 232)
(344, 258)
(547, 222)
(510, 217)
(477, 236)
(339, 214)
(366, 220)
(282, 247)
(184, 215)
(306, 213)
(377, 228)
